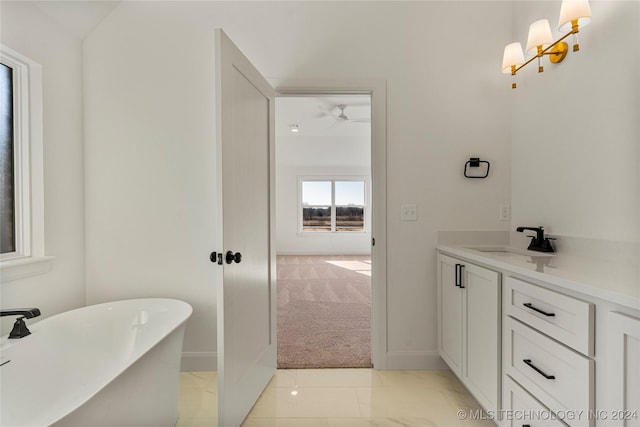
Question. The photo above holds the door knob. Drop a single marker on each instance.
(231, 257)
(216, 258)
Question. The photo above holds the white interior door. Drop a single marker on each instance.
(246, 296)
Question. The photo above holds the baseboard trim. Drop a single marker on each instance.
(429, 360)
(199, 361)
(396, 360)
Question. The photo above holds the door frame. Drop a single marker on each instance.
(377, 89)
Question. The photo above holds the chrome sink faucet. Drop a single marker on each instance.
(538, 242)
(20, 327)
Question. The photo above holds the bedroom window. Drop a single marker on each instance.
(333, 205)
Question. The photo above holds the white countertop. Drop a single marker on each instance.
(615, 281)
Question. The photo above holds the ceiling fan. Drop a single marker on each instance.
(344, 118)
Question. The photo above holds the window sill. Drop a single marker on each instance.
(21, 268)
(333, 234)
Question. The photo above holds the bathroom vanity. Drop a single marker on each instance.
(542, 339)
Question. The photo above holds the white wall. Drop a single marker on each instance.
(575, 154)
(308, 156)
(149, 163)
(150, 150)
(25, 29)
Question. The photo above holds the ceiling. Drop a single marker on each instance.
(319, 115)
(315, 115)
(79, 17)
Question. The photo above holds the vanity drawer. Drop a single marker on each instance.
(558, 377)
(566, 319)
(521, 409)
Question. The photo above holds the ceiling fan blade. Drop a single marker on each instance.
(336, 123)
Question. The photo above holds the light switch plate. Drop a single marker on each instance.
(409, 213)
(505, 212)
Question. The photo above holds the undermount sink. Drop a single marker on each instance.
(497, 250)
(508, 251)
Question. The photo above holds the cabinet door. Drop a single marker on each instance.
(623, 368)
(481, 373)
(449, 314)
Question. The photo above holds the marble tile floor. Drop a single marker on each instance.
(341, 397)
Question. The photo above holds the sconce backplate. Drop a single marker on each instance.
(558, 52)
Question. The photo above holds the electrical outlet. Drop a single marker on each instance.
(409, 213)
(505, 212)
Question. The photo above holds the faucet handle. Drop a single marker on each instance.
(20, 329)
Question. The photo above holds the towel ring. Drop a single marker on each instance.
(474, 162)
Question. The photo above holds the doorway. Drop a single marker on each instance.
(325, 189)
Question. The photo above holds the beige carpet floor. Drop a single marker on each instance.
(324, 311)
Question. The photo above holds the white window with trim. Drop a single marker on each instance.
(333, 205)
(21, 162)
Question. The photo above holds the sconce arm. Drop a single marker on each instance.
(549, 51)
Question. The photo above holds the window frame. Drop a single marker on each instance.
(28, 164)
(333, 179)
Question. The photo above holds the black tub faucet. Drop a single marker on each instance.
(538, 242)
(20, 327)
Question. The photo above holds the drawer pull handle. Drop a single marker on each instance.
(535, 368)
(460, 276)
(530, 306)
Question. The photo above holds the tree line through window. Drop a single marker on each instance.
(333, 205)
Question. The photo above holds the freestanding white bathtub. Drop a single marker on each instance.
(112, 364)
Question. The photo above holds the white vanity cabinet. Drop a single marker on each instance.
(623, 370)
(542, 341)
(548, 338)
(469, 327)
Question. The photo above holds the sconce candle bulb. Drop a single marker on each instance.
(576, 44)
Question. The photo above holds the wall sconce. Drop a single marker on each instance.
(573, 15)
